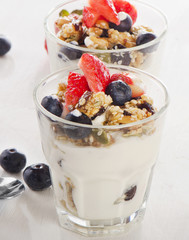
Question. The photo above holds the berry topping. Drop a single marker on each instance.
(70, 53)
(5, 45)
(90, 16)
(119, 91)
(96, 73)
(106, 9)
(145, 38)
(136, 91)
(37, 176)
(77, 132)
(124, 6)
(76, 86)
(12, 161)
(125, 23)
(53, 105)
(45, 45)
(121, 76)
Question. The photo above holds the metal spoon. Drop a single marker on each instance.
(10, 187)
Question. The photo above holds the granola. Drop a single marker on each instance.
(102, 36)
(99, 105)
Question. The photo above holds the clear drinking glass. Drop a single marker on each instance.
(101, 183)
(147, 56)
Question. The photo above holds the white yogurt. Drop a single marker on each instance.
(102, 175)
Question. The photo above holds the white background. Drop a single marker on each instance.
(32, 215)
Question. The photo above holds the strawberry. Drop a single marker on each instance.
(45, 45)
(90, 16)
(121, 76)
(96, 73)
(136, 91)
(124, 6)
(106, 9)
(56, 28)
(76, 86)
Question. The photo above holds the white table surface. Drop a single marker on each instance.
(32, 215)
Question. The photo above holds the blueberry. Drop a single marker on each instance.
(70, 53)
(119, 91)
(5, 45)
(122, 58)
(145, 38)
(12, 161)
(53, 105)
(37, 176)
(77, 132)
(125, 23)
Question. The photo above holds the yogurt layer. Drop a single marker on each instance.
(98, 178)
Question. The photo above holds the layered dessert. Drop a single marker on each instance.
(103, 143)
(105, 25)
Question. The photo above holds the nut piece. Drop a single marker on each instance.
(61, 91)
(94, 42)
(124, 38)
(93, 103)
(102, 24)
(67, 200)
(114, 115)
(69, 190)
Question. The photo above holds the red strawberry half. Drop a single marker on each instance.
(76, 86)
(96, 73)
(106, 9)
(124, 6)
(136, 91)
(90, 16)
(121, 76)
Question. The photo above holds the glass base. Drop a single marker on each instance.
(95, 228)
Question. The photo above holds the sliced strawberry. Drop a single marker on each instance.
(121, 76)
(96, 73)
(56, 28)
(45, 45)
(90, 16)
(106, 9)
(124, 6)
(136, 91)
(76, 86)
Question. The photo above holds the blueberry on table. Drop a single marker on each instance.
(53, 105)
(70, 53)
(122, 58)
(119, 91)
(5, 45)
(12, 161)
(37, 177)
(145, 38)
(74, 131)
(125, 23)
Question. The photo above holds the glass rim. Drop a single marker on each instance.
(110, 127)
(143, 46)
